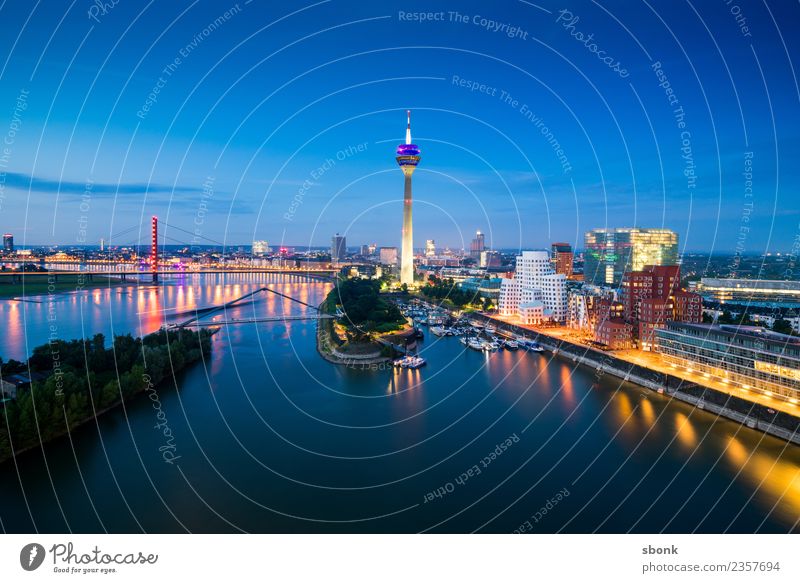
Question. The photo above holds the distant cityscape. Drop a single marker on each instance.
(626, 290)
(728, 323)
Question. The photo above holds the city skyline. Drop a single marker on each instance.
(222, 315)
(262, 165)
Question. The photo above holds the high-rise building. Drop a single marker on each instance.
(657, 282)
(364, 251)
(536, 293)
(8, 242)
(477, 246)
(430, 248)
(652, 296)
(260, 247)
(609, 253)
(388, 255)
(490, 259)
(407, 157)
(338, 248)
(562, 258)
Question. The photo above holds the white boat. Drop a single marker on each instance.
(414, 362)
(490, 330)
(475, 344)
(410, 362)
(531, 345)
(438, 331)
(511, 345)
(490, 346)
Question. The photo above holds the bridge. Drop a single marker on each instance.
(257, 320)
(154, 264)
(322, 274)
(202, 312)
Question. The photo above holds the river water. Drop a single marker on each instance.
(271, 438)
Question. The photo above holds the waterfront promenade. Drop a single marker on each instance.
(775, 417)
(654, 362)
(778, 418)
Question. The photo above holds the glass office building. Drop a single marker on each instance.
(609, 253)
(748, 357)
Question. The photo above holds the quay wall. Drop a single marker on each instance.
(753, 415)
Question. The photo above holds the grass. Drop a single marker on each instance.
(34, 284)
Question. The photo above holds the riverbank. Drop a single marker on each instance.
(336, 351)
(753, 415)
(76, 382)
(29, 284)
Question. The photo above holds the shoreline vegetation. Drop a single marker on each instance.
(76, 381)
(365, 328)
(24, 284)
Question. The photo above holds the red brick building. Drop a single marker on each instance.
(615, 333)
(653, 296)
(654, 281)
(653, 314)
(562, 258)
(688, 307)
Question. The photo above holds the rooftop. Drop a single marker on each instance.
(734, 330)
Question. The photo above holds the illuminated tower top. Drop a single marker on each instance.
(408, 154)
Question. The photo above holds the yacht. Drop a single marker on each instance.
(438, 331)
(531, 345)
(490, 346)
(475, 344)
(410, 362)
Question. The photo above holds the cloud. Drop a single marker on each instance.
(36, 184)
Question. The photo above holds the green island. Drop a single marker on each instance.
(38, 283)
(80, 379)
(447, 293)
(366, 326)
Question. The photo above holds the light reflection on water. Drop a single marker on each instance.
(431, 423)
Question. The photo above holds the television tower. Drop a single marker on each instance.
(407, 158)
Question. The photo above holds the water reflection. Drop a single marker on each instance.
(266, 392)
(685, 431)
(110, 311)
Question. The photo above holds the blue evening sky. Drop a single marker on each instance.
(280, 121)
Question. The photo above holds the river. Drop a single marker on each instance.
(272, 438)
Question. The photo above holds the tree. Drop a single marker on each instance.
(53, 406)
(782, 326)
(725, 317)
